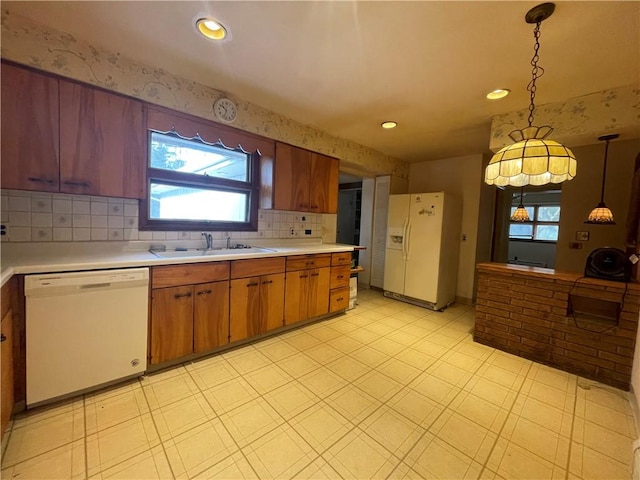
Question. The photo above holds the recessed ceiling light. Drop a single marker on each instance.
(211, 28)
(389, 124)
(498, 93)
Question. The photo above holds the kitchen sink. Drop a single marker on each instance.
(196, 252)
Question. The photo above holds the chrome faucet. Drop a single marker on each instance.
(228, 241)
(208, 239)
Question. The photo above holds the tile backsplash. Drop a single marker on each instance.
(46, 217)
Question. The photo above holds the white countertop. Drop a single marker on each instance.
(25, 258)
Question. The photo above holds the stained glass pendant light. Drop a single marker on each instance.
(520, 214)
(532, 160)
(602, 215)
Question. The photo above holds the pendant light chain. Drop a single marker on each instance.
(604, 170)
(536, 71)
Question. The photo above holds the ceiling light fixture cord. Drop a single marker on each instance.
(604, 170)
(536, 71)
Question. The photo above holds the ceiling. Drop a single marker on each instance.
(345, 67)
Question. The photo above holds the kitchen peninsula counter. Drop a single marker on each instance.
(585, 326)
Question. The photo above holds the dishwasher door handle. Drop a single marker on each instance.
(95, 285)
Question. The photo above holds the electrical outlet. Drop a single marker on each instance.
(463, 237)
(293, 232)
(307, 231)
(575, 245)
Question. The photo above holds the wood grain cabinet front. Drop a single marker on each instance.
(171, 323)
(7, 381)
(306, 294)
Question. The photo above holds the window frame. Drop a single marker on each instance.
(251, 188)
(535, 222)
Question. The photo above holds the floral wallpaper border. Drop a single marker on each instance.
(580, 120)
(36, 45)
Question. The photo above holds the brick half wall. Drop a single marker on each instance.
(525, 311)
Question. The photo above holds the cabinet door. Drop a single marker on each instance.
(244, 308)
(210, 316)
(323, 196)
(338, 299)
(271, 301)
(319, 280)
(292, 177)
(171, 323)
(6, 351)
(102, 143)
(30, 139)
(296, 306)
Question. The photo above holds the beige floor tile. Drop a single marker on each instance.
(475, 350)
(353, 404)
(393, 431)
(267, 378)
(433, 458)
(604, 395)
(168, 390)
(491, 392)
(46, 429)
(275, 349)
(211, 373)
(121, 442)
(415, 330)
(399, 371)
(279, 454)
(199, 449)
(449, 373)
(345, 344)
(484, 413)
(322, 382)
(376, 314)
(443, 341)
(369, 356)
(291, 399)
(416, 407)
(321, 426)
(66, 462)
(323, 332)
(430, 348)
(387, 346)
(416, 359)
(379, 329)
(552, 396)
(344, 326)
(553, 377)
(403, 337)
(323, 353)
(590, 464)
(298, 365)
(608, 418)
(514, 462)
(148, 465)
(348, 368)
(543, 414)
(181, 416)
(404, 472)
(511, 363)
(319, 469)
(435, 388)
(251, 421)
(113, 407)
(234, 467)
(230, 395)
(500, 376)
(603, 440)
(378, 385)
(301, 340)
(538, 440)
(246, 359)
(460, 360)
(357, 456)
(363, 336)
(466, 436)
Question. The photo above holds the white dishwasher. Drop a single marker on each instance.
(84, 330)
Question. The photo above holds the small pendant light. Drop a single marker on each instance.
(602, 215)
(520, 214)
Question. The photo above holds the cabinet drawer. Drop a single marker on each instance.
(342, 258)
(187, 274)
(339, 299)
(300, 262)
(257, 266)
(340, 276)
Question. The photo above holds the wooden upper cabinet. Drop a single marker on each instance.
(304, 181)
(103, 143)
(30, 148)
(323, 192)
(292, 177)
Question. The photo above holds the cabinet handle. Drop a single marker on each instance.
(35, 179)
(340, 276)
(315, 274)
(304, 276)
(204, 292)
(267, 281)
(181, 295)
(309, 263)
(339, 299)
(3, 337)
(76, 184)
(252, 284)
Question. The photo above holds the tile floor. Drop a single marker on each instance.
(388, 390)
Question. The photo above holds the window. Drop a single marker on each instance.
(542, 227)
(195, 185)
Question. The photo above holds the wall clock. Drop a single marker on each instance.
(225, 110)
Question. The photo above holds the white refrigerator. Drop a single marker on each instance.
(423, 239)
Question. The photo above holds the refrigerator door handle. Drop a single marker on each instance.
(406, 241)
(404, 238)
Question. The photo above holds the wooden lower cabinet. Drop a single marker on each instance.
(339, 299)
(306, 294)
(256, 306)
(7, 382)
(188, 319)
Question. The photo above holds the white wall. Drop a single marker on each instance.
(461, 176)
